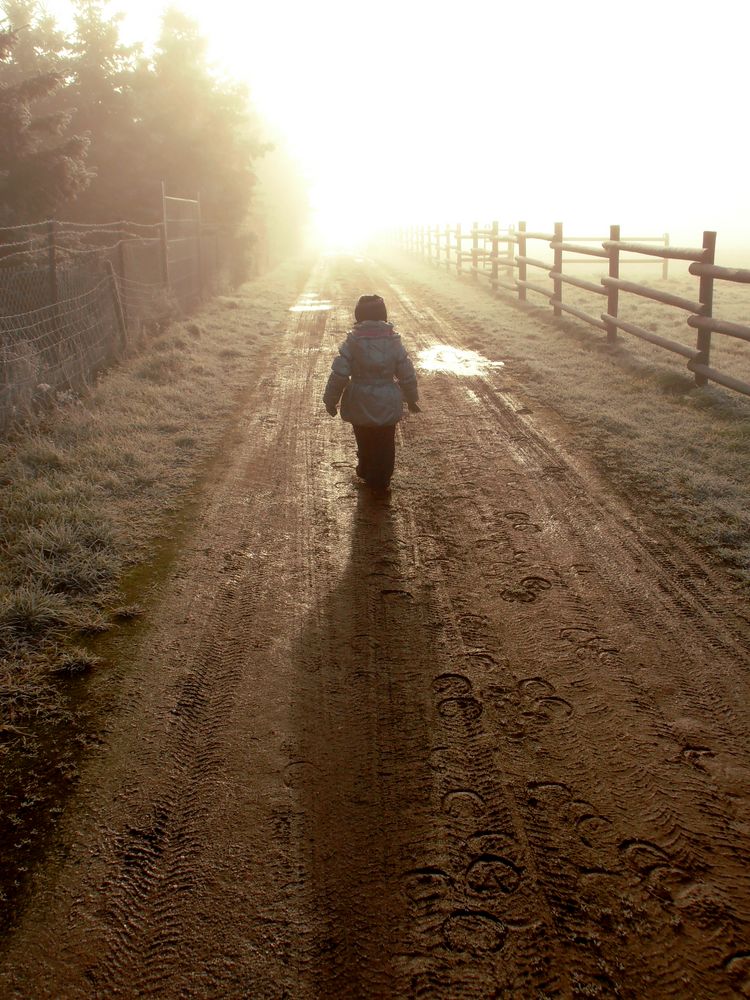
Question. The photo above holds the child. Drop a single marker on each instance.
(369, 360)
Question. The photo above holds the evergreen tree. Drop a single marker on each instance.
(200, 133)
(42, 166)
(100, 72)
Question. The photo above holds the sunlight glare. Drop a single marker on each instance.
(455, 361)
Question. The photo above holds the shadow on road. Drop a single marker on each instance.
(360, 775)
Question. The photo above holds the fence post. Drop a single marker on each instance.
(613, 292)
(665, 262)
(521, 263)
(164, 254)
(558, 266)
(706, 298)
(447, 246)
(437, 245)
(199, 247)
(123, 232)
(459, 249)
(54, 291)
(474, 249)
(511, 249)
(164, 236)
(495, 252)
(119, 312)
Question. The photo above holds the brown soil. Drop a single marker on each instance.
(483, 738)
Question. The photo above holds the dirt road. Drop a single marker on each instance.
(484, 738)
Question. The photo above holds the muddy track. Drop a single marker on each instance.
(486, 738)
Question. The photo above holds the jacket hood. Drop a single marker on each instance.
(373, 328)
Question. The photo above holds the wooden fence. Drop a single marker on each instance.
(500, 255)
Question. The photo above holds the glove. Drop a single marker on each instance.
(332, 410)
(414, 408)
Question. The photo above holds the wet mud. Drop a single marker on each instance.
(482, 737)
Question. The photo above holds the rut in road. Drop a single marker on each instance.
(484, 738)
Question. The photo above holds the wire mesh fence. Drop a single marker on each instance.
(74, 297)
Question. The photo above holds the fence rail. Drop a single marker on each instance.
(443, 246)
(75, 297)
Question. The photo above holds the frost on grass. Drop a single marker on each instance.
(676, 451)
(86, 489)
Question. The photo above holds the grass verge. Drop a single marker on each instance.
(678, 452)
(87, 488)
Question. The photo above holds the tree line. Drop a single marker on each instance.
(90, 126)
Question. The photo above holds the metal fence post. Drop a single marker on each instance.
(119, 312)
(123, 232)
(706, 299)
(54, 291)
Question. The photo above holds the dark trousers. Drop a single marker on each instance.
(376, 453)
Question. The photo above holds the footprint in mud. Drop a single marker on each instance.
(532, 702)
(552, 709)
(592, 828)
(495, 842)
(473, 628)
(300, 774)
(527, 590)
(484, 659)
(396, 595)
(588, 643)
(426, 886)
(463, 802)
(737, 967)
(461, 709)
(451, 685)
(535, 687)
(474, 931)
(520, 521)
(643, 856)
(655, 867)
(492, 875)
(584, 824)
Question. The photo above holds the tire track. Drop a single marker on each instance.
(486, 738)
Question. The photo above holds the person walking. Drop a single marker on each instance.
(372, 375)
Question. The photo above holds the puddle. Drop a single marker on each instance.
(310, 302)
(442, 358)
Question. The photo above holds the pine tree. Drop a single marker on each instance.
(201, 133)
(100, 72)
(42, 166)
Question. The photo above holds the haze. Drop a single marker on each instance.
(414, 112)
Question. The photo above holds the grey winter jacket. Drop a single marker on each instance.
(369, 360)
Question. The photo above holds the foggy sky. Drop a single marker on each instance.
(583, 111)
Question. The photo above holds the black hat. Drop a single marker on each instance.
(370, 307)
